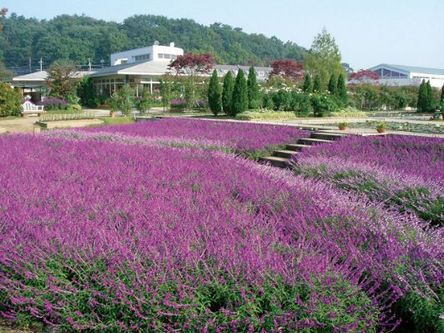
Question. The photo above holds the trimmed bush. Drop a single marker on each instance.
(10, 101)
(54, 103)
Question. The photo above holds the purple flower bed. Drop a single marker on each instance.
(52, 103)
(107, 237)
(402, 171)
(240, 137)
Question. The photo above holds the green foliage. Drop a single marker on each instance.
(10, 101)
(86, 93)
(421, 315)
(317, 85)
(240, 94)
(215, 94)
(122, 100)
(165, 90)
(373, 97)
(323, 105)
(266, 115)
(267, 102)
(281, 100)
(442, 94)
(324, 58)
(78, 38)
(144, 101)
(61, 80)
(301, 104)
(349, 111)
(341, 90)
(253, 90)
(227, 93)
(426, 99)
(308, 84)
(199, 304)
(5, 74)
(333, 84)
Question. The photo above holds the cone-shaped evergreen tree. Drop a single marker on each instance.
(308, 84)
(341, 90)
(442, 94)
(332, 84)
(317, 84)
(240, 94)
(421, 96)
(214, 94)
(254, 99)
(227, 93)
(430, 99)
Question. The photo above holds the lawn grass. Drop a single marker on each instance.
(117, 120)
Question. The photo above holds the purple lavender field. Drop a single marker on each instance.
(405, 172)
(235, 136)
(118, 233)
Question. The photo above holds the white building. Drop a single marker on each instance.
(155, 52)
(399, 75)
(144, 67)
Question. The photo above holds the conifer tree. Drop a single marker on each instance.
(442, 94)
(341, 90)
(421, 95)
(253, 89)
(240, 94)
(214, 94)
(308, 84)
(430, 99)
(332, 84)
(317, 84)
(227, 93)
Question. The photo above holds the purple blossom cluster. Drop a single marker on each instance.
(402, 171)
(239, 136)
(54, 103)
(103, 236)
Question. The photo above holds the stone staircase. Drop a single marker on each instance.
(282, 158)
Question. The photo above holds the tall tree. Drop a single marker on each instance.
(341, 89)
(308, 84)
(324, 58)
(442, 94)
(253, 89)
(188, 67)
(5, 74)
(287, 69)
(420, 106)
(214, 94)
(240, 94)
(317, 85)
(3, 12)
(61, 79)
(430, 103)
(227, 93)
(332, 84)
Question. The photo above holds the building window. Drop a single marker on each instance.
(142, 57)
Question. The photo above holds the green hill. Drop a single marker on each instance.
(80, 37)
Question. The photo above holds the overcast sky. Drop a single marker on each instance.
(368, 32)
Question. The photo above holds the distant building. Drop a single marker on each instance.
(144, 67)
(399, 75)
(34, 84)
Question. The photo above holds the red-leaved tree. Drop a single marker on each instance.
(288, 69)
(188, 67)
(364, 75)
(191, 64)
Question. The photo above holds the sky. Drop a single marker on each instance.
(368, 32)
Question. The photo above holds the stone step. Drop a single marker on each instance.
(296, 146)
(326, 136)
(285, 153)
(313, 141)
(280, 162)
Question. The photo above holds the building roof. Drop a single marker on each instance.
(135, 68)
(411, 69)
(41, 76)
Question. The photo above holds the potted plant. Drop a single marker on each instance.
(381, 127)
(343, 125)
